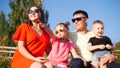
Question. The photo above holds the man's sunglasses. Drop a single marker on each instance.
(34, 11)
(78, 19)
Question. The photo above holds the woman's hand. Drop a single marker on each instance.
(41, 59)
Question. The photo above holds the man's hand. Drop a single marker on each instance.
(111, 57)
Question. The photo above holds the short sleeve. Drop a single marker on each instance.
(20, 33)
(90, 40)
(108, 40)
(71, 45)
(54, 40)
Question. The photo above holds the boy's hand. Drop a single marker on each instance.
(101, 46)
(108, 46)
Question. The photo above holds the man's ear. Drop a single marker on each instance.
(86, 20)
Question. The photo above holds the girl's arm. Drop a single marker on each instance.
(75, 55)
(43, 26)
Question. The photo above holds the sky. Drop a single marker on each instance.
(107, 11)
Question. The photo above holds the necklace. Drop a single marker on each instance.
(38, 31)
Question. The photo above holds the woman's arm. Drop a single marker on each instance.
(25, 53)
(23, 50)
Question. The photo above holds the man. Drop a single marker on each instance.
(80, 39)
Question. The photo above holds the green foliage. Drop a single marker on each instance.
(19, 9)
(17, 15)
(5, 30)
(116, 51)
(5, 63)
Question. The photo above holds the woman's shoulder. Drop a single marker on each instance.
(23, 25)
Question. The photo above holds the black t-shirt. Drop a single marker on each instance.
(98, 41)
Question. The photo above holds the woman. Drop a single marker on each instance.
(32, 42)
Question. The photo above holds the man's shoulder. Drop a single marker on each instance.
(71, 33)
(90, 33)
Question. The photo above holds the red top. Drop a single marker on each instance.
(34, 43)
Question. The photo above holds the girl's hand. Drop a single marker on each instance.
(85, 63)
(41, 25)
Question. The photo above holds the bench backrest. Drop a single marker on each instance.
(7, 52)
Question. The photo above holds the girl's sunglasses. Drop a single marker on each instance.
(33, 11)
(78, 19)
(60, 30)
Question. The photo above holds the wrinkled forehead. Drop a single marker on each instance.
(78, 15)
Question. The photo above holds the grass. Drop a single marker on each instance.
(5, 63)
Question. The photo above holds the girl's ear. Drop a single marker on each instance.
(66, 29)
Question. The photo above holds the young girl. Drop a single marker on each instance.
(61, 46)
(99, 45)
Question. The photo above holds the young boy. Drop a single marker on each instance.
(99, 45)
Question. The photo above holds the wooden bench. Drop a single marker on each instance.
(7, 52)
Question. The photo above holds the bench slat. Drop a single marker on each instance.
(7, 50)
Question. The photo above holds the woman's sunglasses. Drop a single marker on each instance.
(78, 19)
(33, 11)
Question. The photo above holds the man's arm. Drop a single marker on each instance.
(111, 57)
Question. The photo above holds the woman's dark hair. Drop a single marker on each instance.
(81, 12)
(66, 24)
(41, 13)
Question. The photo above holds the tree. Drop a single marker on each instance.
(116, 51)
(4, 29)
(17, 15)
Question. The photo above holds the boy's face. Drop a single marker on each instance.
(98, 29)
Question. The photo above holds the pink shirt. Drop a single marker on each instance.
(60, 52)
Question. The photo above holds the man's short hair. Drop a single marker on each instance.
(81, 12)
